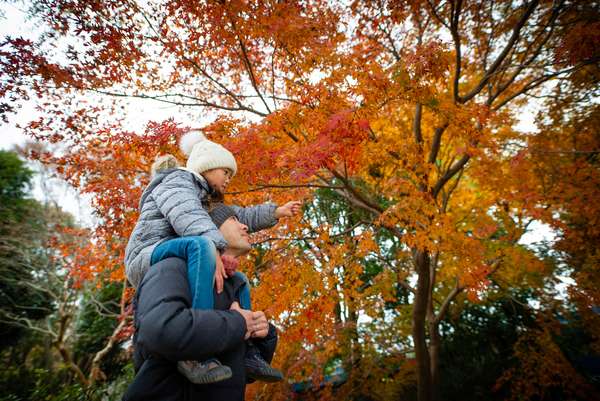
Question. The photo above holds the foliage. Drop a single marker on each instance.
(22, 234)
(405, 113)
(95, 325)
(21, 383)
(477, 342)
(15, 179)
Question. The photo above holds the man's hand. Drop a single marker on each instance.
(261, 325)
(288, 210)
(256, 322)
(220, 274)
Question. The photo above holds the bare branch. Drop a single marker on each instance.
(164, 99)
(95, 372)
(371, 205)
(544, 78)
(509, 45)
(446, 304)
(216, 83)
(251, 73)
(18, 321)
(267, 186)
(532, 57)
(436, 15)
(392, 47)
(314, 237)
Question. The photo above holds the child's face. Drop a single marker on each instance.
(218, 178)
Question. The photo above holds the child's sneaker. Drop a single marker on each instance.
(209, 371)
(258, 369)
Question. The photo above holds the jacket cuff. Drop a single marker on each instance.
(272, 208)
(241, 322)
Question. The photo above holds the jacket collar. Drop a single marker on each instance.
(201, 180)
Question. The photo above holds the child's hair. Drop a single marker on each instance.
(213, 199)
(163, 162)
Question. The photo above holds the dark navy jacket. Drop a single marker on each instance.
(168, 330)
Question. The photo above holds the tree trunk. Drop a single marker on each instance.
(434, 359)
(419, 326)
(96, 373)
(68, 360)
(355, 350)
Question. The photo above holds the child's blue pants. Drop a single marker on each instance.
(199, 254)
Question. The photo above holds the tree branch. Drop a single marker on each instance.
(163, 99)
(436, 142)
(511, 42)
(267, 186)
(417, 124)
(540, 80)
(449, 174)
(501, 88)
(455, 17)
(446, 304)
(307, 238)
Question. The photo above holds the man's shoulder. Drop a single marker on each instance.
(170, 268)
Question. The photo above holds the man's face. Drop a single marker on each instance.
(236, 235)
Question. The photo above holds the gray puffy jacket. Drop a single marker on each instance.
(171, 207)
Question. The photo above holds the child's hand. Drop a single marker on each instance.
(230, 263)
(288, 210)
(220, 274)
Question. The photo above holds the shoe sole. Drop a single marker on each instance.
(213, 376)
(268, 379)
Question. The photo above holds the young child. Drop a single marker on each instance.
(174, 222)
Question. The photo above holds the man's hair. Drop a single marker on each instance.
(220, 212)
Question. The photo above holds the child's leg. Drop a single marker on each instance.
(199, 254)
(256, 366)
(245, 292)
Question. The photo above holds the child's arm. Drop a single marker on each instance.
(266, 215)
(290, 209)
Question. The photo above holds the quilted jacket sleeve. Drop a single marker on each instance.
(179, 199)
(257, 217)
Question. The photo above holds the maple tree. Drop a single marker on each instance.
(401, 114)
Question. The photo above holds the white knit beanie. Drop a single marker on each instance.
(204, 155)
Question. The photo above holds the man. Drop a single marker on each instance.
(169, 330)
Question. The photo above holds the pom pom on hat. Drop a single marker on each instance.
(204, 155)
(188, 140)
